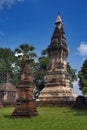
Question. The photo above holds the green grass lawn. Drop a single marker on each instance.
(47, 119)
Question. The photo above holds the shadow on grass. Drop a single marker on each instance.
(17, 117)
(73, 111)
(8, 116)
(78, 112)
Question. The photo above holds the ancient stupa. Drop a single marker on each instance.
(57, 81)
(25, 105)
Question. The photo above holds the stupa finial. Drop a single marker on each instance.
(58, 18)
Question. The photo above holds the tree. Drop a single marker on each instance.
(83, 77)
(72, 73)
(25, 52)
(39, 71)
(7, 59)
(10, 65)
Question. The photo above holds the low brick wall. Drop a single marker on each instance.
(81, 102)
(9, 104)
(55, 103)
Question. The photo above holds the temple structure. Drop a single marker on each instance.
(8, 94)
(25, 105)
(57, 81)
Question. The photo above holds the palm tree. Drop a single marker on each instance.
(25, 52)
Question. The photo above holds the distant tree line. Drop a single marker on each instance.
(10, 67)
(83, 78)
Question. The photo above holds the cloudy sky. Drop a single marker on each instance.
(32, 21)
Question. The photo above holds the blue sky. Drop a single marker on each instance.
(32, 21)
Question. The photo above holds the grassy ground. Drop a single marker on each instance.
(47, 119)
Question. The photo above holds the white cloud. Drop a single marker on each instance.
(75, 83)
(19, 54)
(8, 2)
(76, 88)
(83, 49)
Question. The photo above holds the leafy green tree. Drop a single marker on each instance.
(83, 77)
(10, 65)
(72, 73)
(7, 59)
(39, 71)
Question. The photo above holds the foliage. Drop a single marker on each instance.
(39, 71)
(7, 59)
(47, 119)
(83, 77)
(10, 62)
(25, 52)
(72, 73)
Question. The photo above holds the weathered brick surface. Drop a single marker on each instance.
(57, 80)
(25, 105)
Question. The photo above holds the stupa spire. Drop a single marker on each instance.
(58, 20)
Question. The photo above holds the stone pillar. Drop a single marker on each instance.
(25, 105)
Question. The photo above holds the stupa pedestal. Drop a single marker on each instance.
(57, 89)
(25, 105)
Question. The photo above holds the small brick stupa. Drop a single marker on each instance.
(25, 105)
(57, 81)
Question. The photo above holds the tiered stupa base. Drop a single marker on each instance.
(25, 105)
(56, 96)
(57, 91)
(24, 111)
